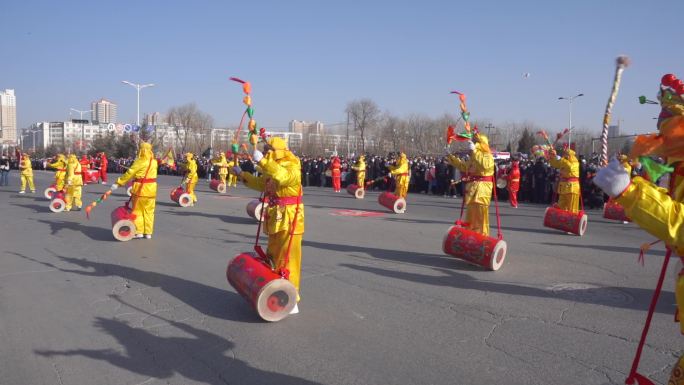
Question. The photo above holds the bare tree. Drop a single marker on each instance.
(364, 115)
(187, 120)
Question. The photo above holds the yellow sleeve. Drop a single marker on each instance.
(401, 168)
(283, 176)
(135, 168)
(54, 165)
(484, 163)
(192, 169)
(654, 211)
(457, 162)
(257, 183)
(555, 163)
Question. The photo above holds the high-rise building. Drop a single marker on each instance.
(153, 119)
(613, 131)
(8, 117)
(306, 128)
(104, 111)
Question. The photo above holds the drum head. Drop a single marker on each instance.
(583, 225)
(57, 205)
(276, 300)
(360, 193)
(129, 191)
(400, 206)
(185, 200)
(49, 191)
(123, 230)
(501, 183)
(498, 255)
(221, 188)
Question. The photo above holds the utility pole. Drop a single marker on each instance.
(347, 134)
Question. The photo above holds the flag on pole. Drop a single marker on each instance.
(169, 159)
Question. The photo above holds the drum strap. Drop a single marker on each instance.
(499, 235)
(283, 271)
(633, 375)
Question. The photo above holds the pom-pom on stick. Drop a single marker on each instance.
(621, 63)
(103, 197)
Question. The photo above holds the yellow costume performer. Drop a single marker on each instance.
(281, 182)
(232, 179)
(74, 180)
(191, 176)
(479, 170)
(60, 166)
(26, 174)
(143, 171)
(569, 186)
(223, 166)
(401, 172)
(360, 168)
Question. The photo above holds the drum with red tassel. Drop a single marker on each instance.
(559, 219)
(49, 191)
(123, 227)
(254, 209)
(58, 202)
(272, 296)
(356, 191)
(217, 186)
(612, 210)
(180, 196)
(392, 202)
(475, 248)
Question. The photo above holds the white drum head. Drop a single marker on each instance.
(400, 206)
(276, 300)
(221, 188)
(123, 230)
(57, 205)
(185, 200)
(498, 255)
(360, 193)
(49, 191)
(583, 225)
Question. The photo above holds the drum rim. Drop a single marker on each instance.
(123, 223)
(502, 247)
(401, 201)
(61, 202)
(262, 299)
(184, 196)
(584, 223)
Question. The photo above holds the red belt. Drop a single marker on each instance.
(480, 179)
(78, 173)
(61, 169)
(569, 179)
(284, 201)
(145, 180)
(404, 174)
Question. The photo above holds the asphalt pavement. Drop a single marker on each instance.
(381, 303)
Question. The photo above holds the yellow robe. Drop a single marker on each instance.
(478, 194)
(401, 173)
(191, 178)
(74, 181)
(26, 174)
(223, 166)
(360, 168)
(568, 192)
(144, 195)
(60, 175)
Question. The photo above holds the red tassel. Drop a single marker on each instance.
(640, 380)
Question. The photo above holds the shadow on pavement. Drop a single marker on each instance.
(530, 230)
(207, 300)
(224, 218)
(616, 249)
(36, 208)
(92, 232)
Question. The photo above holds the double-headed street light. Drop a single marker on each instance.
(138, 87)
(570, 99)
(81, 112)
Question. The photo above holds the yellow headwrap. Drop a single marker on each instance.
(278, 146)
(482, 142)
(145, 151)
(189, 156)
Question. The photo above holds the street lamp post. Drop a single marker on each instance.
(570, 99)
(81, 112)
(138, 87)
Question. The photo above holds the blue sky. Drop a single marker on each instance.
(307, 59)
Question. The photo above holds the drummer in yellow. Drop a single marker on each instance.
(401, 172)
(143, 171)
(191, 176)
(569, 186)
(60, 166)
(74, 181)
(360, 168)
(223, 166)
(281, 182)
(479, 170)
(26, 174)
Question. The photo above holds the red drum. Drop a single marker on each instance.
(217, 186)
(254, 209)
(272, 296)
(91, 176)
(49, 191)
(475, 248)
(563, 220)
(179, 196)
(392, 202)
(613, 210)
(123, 227)
(58, 202)
(356, 191)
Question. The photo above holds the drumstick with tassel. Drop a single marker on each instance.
(621, 63)
(102, 198)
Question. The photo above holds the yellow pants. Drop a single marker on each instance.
(29, 180)
(191, 191)
(73, 197)
(59, 183)
(569, 202)
(232, 180)
(401, 189)
(477, 217)
(277, 247)
(143, 208)
(222, 177)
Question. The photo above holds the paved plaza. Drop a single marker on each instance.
(381, 304)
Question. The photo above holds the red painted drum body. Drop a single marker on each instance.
(612, 210)
(91, 176)
(475, 248)
(254, 209)
(567, 221)
(179, 196)
(49, 191)
(123, 227)
(356, 191)
(217, 186)
(272, 296)
(58, 202)
(392, 202)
